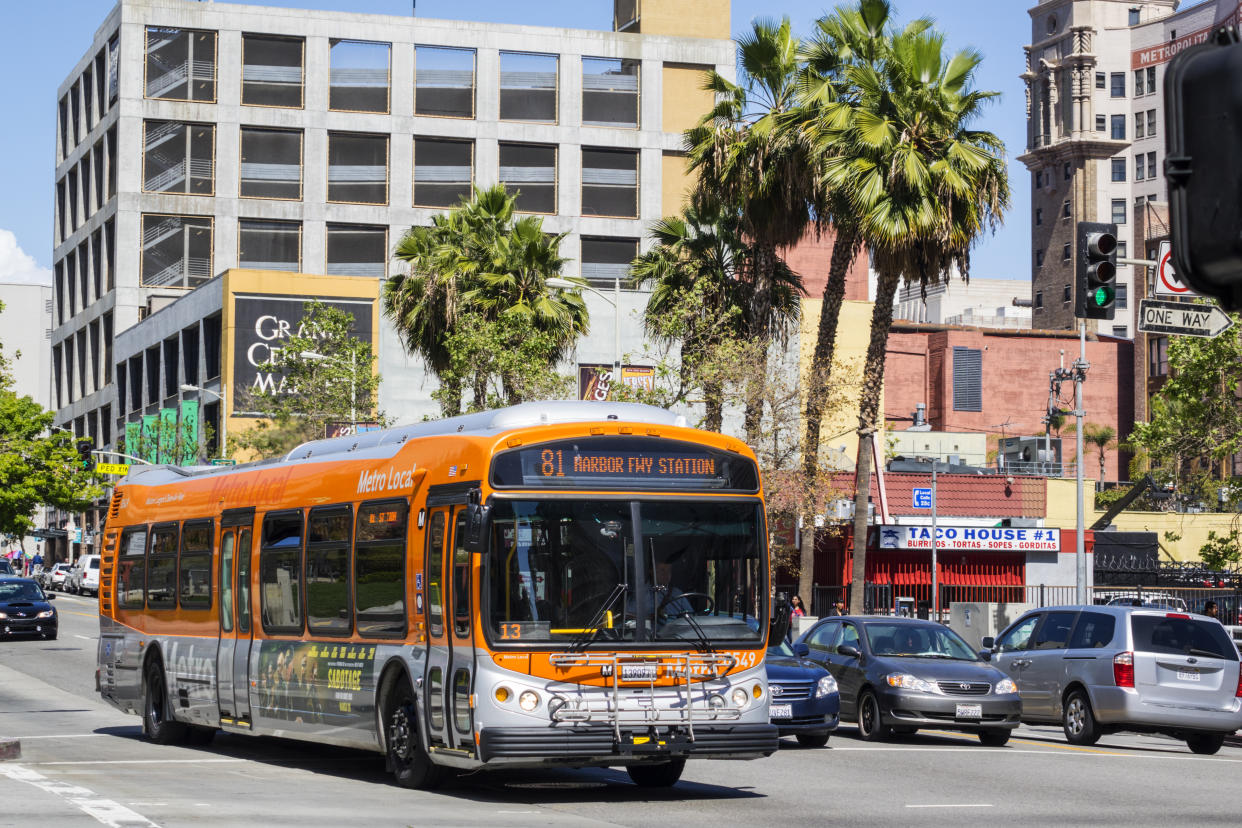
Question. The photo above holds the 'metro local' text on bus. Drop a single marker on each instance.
(575, 583)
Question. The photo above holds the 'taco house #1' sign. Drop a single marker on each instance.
(986, 538)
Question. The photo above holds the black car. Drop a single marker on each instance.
(897, 675)
(804, 698)
(25, 609)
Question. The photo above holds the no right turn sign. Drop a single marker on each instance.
(1167, 283)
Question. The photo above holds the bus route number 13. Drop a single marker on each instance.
(510, 631)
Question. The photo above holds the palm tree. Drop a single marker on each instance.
(700, 273)
(850, 36)
(744, 159)
(924, 186)
(476, 262)
(1103, 437)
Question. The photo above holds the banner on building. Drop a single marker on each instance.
(133, 439)
(347, 429)
(984, 538)
(168, 436)
(261, 325)
(149, 441)
(595, 381)
(187, 433)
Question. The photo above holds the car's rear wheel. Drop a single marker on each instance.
(1078, 720)
(658, 775)
(870, 718)
(813, 739)
(994, 737)
(1205, 743)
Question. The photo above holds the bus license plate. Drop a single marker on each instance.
(1188, 675)
(638, 672)
(970, 711)
(781, 711)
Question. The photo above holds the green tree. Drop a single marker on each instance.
(311, 393)
(38, 466)
(476, 262)
(924, 186)
(1103, 438)
(747, 163)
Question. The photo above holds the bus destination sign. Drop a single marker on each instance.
(619, 462)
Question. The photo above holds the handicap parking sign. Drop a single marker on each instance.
(922, 498)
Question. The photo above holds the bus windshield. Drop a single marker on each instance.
(571, 571)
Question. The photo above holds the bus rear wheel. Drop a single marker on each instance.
(409, 762)
(158, 724)
(659, 775)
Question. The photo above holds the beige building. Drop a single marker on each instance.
(1095, 134)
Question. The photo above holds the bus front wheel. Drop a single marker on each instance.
(410, 764)
(660, 775)
(158, 724)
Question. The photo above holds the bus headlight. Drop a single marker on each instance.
(716, 700)
(555, 704)
(740, 697)
(529, 700)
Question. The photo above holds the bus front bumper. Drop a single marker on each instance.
(598, 745)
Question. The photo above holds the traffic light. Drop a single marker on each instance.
(1096, 270)
(85, 446)
(1203, 166)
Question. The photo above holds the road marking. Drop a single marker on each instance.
(83, 637)
(955, 805)
(143, 762)
(1017, 751)
(64, 736)
(103, 811)
(84, 614)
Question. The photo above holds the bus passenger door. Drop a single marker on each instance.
(460, 673)
(245, 630)
(228, 633)
(436, 681)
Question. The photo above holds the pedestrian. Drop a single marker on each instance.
(1209, 609)
(838, 608)
(797, 610)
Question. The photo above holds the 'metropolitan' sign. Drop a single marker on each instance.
(262, 324)
(986, 538)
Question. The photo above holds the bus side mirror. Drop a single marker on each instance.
(476, 520)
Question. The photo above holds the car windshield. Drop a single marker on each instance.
(20, 591)
(559, 570)
(917, 641)
(780, 648)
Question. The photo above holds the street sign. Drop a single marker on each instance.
(75, 535)
(223, 461)
(1167, 283)
(922, 498)
(1182, 319)
(112, 468)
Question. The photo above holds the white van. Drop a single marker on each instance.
(84, 577)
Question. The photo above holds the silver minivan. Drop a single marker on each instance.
(1102, 669)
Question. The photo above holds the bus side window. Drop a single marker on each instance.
(280, 572)
(435, 575)
(195, 565)
(327, 570)
(162, 568)
(242, 554)
(379, 567)
(131, 570)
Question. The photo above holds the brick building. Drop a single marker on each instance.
(996, 381)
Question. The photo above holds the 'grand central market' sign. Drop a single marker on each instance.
(987, 538)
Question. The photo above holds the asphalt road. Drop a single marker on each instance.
(83, 764)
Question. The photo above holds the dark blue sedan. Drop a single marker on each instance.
(25, 609)
(804, 698)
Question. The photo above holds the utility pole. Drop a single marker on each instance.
(1080, 554)
(935, 602)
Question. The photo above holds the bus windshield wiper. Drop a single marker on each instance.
(591, 630)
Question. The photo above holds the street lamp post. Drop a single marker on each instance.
(224, 414)
(313, 356)
(615, 301)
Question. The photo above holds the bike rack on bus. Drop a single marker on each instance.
(691, 666)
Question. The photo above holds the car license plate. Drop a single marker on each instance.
(1188, 675)
(970, 711)
(638, 672)
(781, 711)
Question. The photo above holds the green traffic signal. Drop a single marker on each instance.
(1101, 297)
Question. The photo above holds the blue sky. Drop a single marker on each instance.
(41, 42)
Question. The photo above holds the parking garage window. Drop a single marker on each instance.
(529, 171)
(359, 76)
(178, 158)
(272, 71)
(527, 87)
(609, 183)
(180, 64)
(357, 168)
(443, 171)
(269, 245)
(444, 82)
(176, 250)
(271, 163)
(357, 250)
(610, 92)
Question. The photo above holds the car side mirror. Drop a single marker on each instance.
(986, 655)
(848, 650)
(988, 642)
(801, 650)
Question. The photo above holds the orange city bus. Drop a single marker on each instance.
(572, 583)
